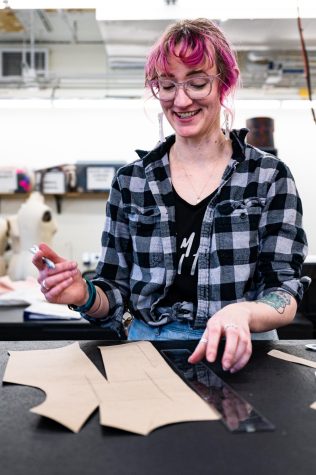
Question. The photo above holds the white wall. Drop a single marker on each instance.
(295, 140)
(48, 135)
(86, 59)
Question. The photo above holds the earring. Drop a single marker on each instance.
(160, 121)
(226, 122)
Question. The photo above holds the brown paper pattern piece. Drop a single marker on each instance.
(65, 375)
(292, 359)
(144, 392)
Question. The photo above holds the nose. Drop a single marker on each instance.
(181, 98)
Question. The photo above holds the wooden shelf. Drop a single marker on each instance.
(59, 198)
(70, 194)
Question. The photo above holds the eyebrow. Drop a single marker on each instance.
(191, 73)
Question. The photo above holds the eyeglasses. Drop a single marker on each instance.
(198, 87)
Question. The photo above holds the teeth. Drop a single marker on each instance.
(184, 115)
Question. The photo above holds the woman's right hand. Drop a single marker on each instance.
(63, 284)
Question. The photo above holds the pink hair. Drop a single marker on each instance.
(201, 42)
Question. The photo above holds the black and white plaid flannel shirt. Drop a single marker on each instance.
(252, 241)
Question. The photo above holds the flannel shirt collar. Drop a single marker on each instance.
(238, 143)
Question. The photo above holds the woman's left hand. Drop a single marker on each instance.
(231, 322)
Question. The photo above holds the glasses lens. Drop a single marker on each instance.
(166, 90)
(198, 88)
(195, 88)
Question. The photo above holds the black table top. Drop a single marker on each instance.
(13, 328)
(281, 391)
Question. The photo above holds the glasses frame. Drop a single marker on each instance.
(178, 85)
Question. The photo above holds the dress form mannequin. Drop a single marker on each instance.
(35, 224)
(3, 244)
(14, 235)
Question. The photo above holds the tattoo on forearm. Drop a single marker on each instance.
(278, 300)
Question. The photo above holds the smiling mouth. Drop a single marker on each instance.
(186, 115)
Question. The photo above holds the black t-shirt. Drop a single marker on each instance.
(188, 227)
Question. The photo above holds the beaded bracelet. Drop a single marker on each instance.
(91, 299)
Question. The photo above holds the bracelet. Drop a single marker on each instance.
(91, 299)
(99, 306)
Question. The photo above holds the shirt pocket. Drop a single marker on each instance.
(143, 222)
(144, 226)
(236, 226)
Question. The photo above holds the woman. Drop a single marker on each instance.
(203, 236)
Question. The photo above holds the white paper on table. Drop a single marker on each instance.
(22, 296)
(46, 310)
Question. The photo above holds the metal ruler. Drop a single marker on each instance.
(238, 415)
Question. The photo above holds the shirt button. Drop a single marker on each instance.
(243, 215)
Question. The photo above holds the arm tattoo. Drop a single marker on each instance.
(278, 300)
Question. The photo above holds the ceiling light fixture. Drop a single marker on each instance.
(131, 104)
(243, 9)
(174, 9)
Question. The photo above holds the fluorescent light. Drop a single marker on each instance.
(150, 105)
(157, 9)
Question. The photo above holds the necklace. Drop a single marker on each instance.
(199, 194)
(220, 159)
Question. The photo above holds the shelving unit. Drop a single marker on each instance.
(84, 195)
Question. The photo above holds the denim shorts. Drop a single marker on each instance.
(139, 330)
